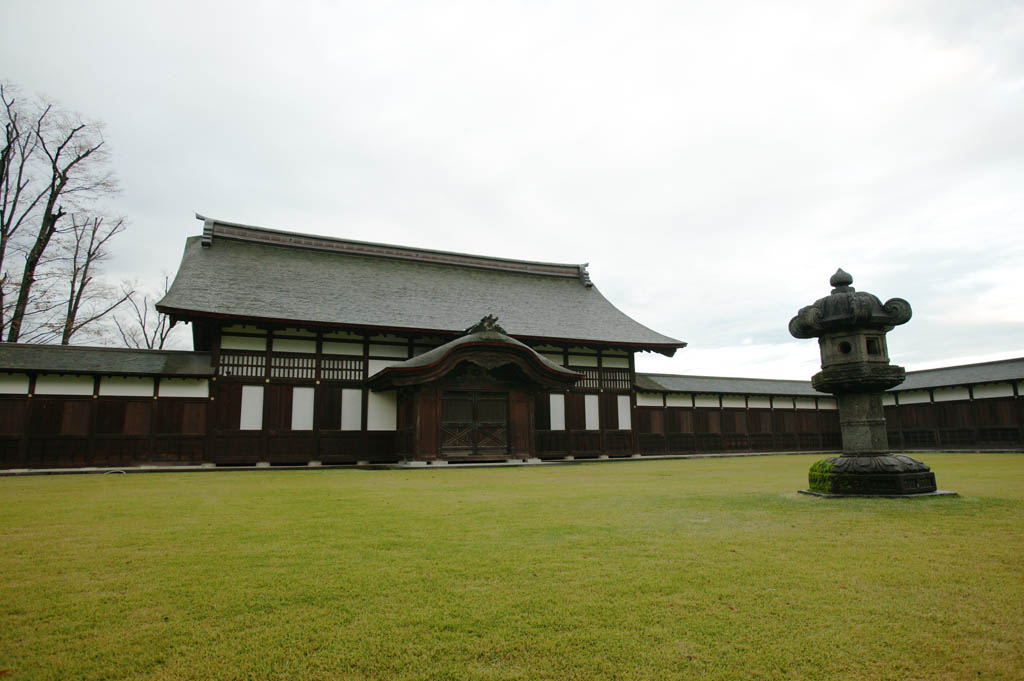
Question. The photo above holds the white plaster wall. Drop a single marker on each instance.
(759, 402)
(375, 365)
(591, 412)
(679, 400)
(382, 410)
(648, 399)
(389, 350)
(615, 362)
(243, 343)
(120, 386)
(557, 412)
(990, 390)
(294, 345)
(184, 387)
(625, 422)
(827, 404)
(706, 400)
(583, 360)
(302, 408)
(914, 397)
(53, 384)
(335, 348)
(782, 402)
(352, 409)
(888, 399)
(958, 392)
(252, 408)
(557, 359)
(805, 403)
(13, 384)
(735, 401)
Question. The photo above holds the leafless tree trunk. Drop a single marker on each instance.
(144, 327)
(50, 165)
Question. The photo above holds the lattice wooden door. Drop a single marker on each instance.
(474, 423)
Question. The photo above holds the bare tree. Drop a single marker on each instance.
(141, 326)
(52, 163)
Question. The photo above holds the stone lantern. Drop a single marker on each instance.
(850, 326)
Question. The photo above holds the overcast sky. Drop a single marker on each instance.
(714, 162)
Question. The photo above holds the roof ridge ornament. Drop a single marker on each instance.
(486, 324)
(585, 276)
(841, 281)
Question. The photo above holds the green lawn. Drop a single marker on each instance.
(709, 568)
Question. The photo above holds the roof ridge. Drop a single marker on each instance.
(214, 229)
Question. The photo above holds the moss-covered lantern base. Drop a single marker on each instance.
(880, 475)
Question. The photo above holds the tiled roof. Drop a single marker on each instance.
(985, 372)
(89, 360)
(259, 274)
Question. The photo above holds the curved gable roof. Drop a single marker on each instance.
(252, 273)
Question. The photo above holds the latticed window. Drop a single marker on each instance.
(615, 378)
(246, 365)
(284, 366)
(591, 377)
(341, 369)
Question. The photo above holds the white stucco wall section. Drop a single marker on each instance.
(782, 402)
(591, 412)
(52, 384)
(625, 422)
(184, 387)
(990, 390)
(759, 402)
(352, 409)
(805, 403)
(336, 348)
(615, 362)
(252, 408)
(648, 399)
(739, 402)
(680, 400)
(706, 400)
(827, 404)
(13, 384)
(888, 399)
(557, 359)
(302, 408)
(243, 343)
(381, 410)
(294, 345)
(914, 397)
(583, 360)
(389, 351)
(557, 411)
(119, 386)
(958, 392)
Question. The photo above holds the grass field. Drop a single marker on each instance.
(710, 568)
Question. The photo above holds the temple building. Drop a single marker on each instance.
(311, 349)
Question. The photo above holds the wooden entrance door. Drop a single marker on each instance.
(474, 423)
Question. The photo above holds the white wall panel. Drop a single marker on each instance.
(302, 408)
(389, 351)
(351, 409)
(556, 358)
(827, 404)
(805, 403)
(252, 408)
(990, 390)
(243, 343)
(615, 362)
(120, 386)
(782, 402)
(13, 384)
(888, 399)
(583, 360)
(679, 400)
(958, 392)
(557, 411)
(759, 402)
(591, 412)
(294, 345)
(706, 400)
(382, 410)
(914, 397)
(625, 422)
(336, 348)
(738, 401)
(53, 384)
(375, 365)
(184, 387)
(648, 399)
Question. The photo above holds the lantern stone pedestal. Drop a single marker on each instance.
(851, 327)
